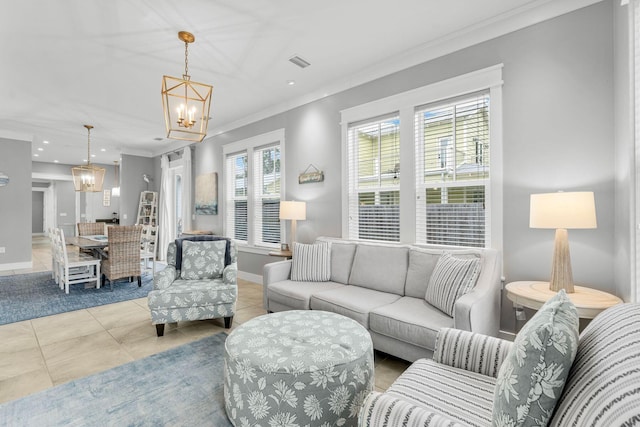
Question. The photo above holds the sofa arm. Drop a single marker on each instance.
(384, 410)
(469, 351)
(479, 310)
(164, 278)
(272, 273)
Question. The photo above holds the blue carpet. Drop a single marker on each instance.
(27, 296)
(179, 387)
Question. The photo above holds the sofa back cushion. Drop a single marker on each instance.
(311, 263)
(341, 260)
(381, 268)
(531, 379)
(421, 265)
(604, 381)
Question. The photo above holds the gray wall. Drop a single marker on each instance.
(558, 135)
(131, 171)
(15, 203)
(37, 211)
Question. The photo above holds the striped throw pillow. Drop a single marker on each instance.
(311, 263)
(451, 278)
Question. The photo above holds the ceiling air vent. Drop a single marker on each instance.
(299, 61)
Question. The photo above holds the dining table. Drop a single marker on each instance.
(94, 243)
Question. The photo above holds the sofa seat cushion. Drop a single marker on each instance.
(462, 396)
(352, 301)
(296, 295)
(193, 293)
(410, 320)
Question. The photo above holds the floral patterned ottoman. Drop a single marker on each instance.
(297, 368)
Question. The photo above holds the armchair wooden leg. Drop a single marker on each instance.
(228, 321)
(160, 329)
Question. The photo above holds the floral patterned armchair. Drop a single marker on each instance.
(199, 282)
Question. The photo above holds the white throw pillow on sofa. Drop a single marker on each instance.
(311, 263)
(451, 278)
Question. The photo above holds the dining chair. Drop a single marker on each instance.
(123, 256)
(91, 229)
(148, 247)
(74, 267)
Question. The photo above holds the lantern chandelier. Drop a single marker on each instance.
(186, 104)
(88, 178)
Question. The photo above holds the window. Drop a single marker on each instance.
(374, 179)
(267, 198)
(253, 190)
(445, 141)
(452, 164)
(237, 219)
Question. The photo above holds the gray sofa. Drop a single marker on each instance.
(383, 286)
(458, 389)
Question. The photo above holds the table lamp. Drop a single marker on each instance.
(293, 211)
(562, 211)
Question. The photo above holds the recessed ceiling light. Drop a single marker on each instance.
(36, 155)
(291, 82)
(55, 161)
(40, 149)
(93, 155)
(84, 160)
(45, 142)
(103, 149)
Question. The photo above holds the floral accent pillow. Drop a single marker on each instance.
(531, 379)
(202, 260)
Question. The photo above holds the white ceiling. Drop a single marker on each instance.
(70, 62)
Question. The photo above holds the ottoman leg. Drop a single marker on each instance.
(228, 321)
(160, 329)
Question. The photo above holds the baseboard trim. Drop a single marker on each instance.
(250, 277)
(19, 266)
(506, 335)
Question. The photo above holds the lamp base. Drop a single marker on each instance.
(561, 275)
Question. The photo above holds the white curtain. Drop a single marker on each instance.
(163, 222)
(187, 189)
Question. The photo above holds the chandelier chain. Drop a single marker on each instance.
(186, 59)
(88, 146)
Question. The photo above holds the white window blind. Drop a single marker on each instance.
(374, 179)
(237, 189)
(266, 200)
(452, 171)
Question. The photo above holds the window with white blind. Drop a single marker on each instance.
(237, 191)
(266, 166)
(445, 141)
(374, 179)
(452, 171)
(253, 189)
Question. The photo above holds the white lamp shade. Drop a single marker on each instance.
(563, 210)
(293, 210)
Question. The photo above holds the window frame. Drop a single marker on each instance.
(251, 146)
(489, 79)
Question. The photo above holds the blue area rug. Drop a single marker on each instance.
(27, 296)
(179, 387)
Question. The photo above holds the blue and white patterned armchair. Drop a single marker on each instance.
(199, 282)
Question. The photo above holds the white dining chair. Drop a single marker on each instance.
(75, 267)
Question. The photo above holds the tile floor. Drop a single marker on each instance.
(41, 353)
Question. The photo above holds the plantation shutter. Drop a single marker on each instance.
(236, 206)
(266, 202)
(374, 179)
(452, 171)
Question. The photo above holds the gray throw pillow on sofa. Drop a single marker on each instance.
(202, 260)
(532, 377)
(311, 263)
(451, 278)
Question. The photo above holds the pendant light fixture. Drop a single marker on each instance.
(186, 104)
(115, 191)
(88, 178)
